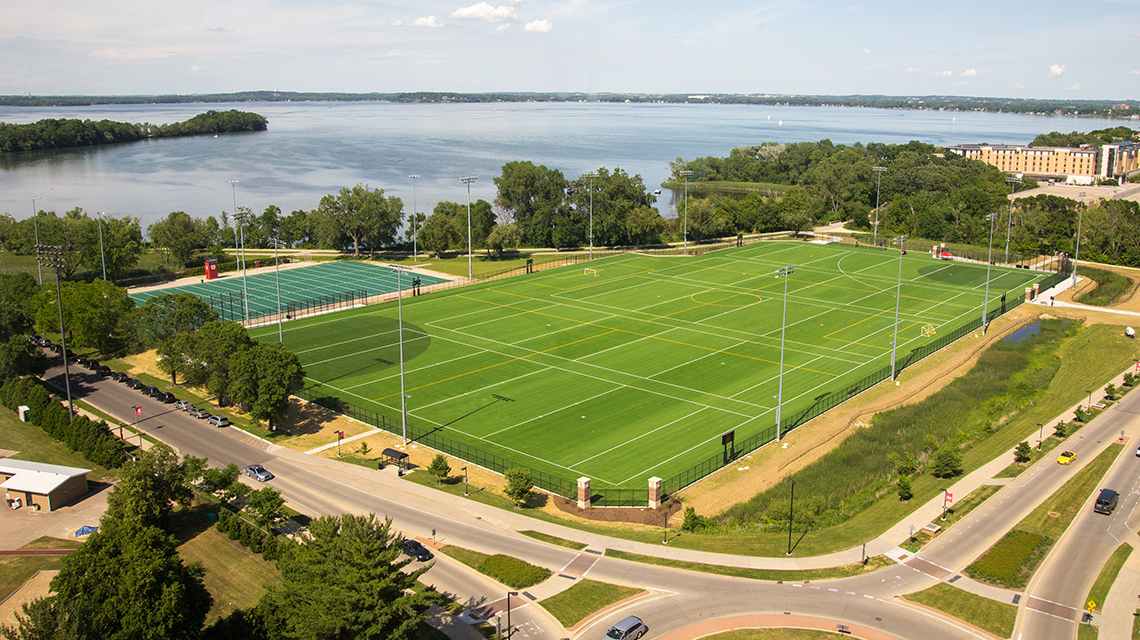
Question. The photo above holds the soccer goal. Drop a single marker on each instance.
(590, 272)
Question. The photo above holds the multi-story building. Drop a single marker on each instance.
(1075, 165)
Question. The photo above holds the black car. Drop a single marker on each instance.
(119, 376)
(166, 397)
(103, 370)
(56, 348)
(151, 392)
(416, 550)
(134, 384)
(92, 365)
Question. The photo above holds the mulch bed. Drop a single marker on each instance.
(636, 515)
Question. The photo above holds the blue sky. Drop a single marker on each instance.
(1049, 49)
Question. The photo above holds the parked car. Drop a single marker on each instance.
(119, 376)
(198, 412)
(183, 405)
(103, 370)
(134, 384)
(151, 392)
(218, 421)
(628, 629)
(258, 472)
(58, 348)
(92, 364)
(1067, 457)
(416, 550)
(166, 397)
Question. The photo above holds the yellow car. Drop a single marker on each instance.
(1067, 457)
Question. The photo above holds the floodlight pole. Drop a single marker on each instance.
(36, 227)
(240, 218)
(400, 322)
(1040, 434)
(277, 272)
(878, 182)
(1080, 220)
(102, 259)
(415, 253)
(989, 263)
(791, 507)
(590, 175)
(686, 173)
(53, 255)
(467, 180)
(1013, 182)
(901, 240)
(785, 273)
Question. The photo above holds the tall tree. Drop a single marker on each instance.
(346, 581)
(150, 486)
(179, 235)
(165, 316)
(362, 215)
(214, 344)
(530, 194)
(263, 377)
(93, 313)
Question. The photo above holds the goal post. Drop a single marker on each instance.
(590, 272)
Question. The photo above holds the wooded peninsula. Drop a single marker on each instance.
(53, 133)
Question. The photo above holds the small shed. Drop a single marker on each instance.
(42, 486)
(396, 457)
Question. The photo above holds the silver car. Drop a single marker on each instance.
(258, 472)
(218, 421)
(183, 405)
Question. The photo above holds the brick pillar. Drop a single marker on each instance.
(583, 493)
(1036, 290)
(654, 493)
(1028, 294)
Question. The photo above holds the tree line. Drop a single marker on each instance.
(61, 133)
(1100, 108)
(922, 192)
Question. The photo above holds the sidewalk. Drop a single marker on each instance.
(1123, 599)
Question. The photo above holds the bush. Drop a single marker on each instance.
(1022, 453)
(1080, 415)
(905, 492)
(513, 572)
(1129, 378)
(693, 522)
(439, 469)
(519, 484)
(947, 462)
(1110, 392)
(1061, 429)
(1009, 562)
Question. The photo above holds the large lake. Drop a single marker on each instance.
(316, 148)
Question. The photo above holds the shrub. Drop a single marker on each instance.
(1009, 562)
(1110, 392)
(1129, 378)
(905, 492)
(1060, 429)
(440, 469)
(947, 462)
(513, 572)
(1080, 415)
(693, 522)
(1022, 453)
(519, 484)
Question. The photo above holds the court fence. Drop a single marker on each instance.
(636, 497)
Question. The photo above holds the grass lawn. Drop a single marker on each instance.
(16, 570)
(1108, 574)
(512, 572)
(561, 542)
(960, 510)
(635, 367)
(1011, 561)
(1109, 286)
(584, 598)
(996, 617)
(845, 571)
(34, 445)
(235, 576)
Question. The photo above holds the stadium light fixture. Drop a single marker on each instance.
(878, 182)
(53, 256)
(785, 273)
(240, 218)
(686, 173)
(989, 263)
(400, 322)
(1080, 220)
(591, 176)
(36, 227)
(791, 511)
(1013, 182)
(901, 241)
(415, 253)
(467, 180)
(102, 259)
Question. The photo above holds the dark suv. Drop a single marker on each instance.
(416, 550)
(152, 392)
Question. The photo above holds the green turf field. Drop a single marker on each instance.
(634, 366)
(298, 286)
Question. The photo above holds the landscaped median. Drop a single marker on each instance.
(1011, 562)
(996, 617)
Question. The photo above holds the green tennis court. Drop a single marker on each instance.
(298, 286)
(635, 366)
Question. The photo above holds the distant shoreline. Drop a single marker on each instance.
(1123, 109)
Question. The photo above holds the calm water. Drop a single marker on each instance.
(312, 149)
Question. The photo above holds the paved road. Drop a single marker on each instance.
(680, 599)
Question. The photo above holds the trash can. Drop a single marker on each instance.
(256, 264)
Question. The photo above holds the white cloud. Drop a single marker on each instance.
(1072, 87)
(503, 28)
(484, 11)
(1018, 85)
(912, 70)
(396, 23)
(945, 74)
(138, 53)
(866, 51)
(1135, 72)
(539, 26)
(1056, 70)
(397, 53)
(427, 21)
(195, 68)
(219, 30)
(969, 73)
